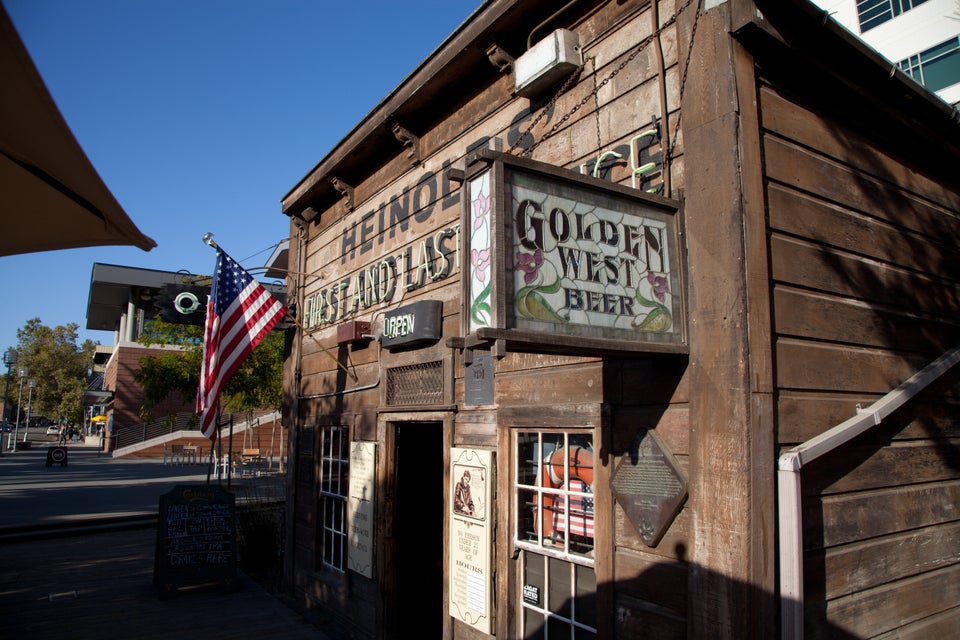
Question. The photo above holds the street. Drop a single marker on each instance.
(92, 484)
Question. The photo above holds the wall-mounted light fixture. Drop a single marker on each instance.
(547, 63)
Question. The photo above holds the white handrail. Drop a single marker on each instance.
(788, 476)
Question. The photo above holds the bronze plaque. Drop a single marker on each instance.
(649, 486)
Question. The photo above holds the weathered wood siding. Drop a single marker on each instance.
(822, 273)
(866, 291)
(532, 390)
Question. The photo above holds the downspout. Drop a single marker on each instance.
(662, 86)
(788, 476)
(295, 426)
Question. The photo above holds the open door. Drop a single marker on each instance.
(418, 528)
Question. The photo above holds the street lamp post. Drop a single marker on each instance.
(16, 430)
(9, 359)
(31, 385)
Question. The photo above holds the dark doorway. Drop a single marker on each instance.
(418, 527)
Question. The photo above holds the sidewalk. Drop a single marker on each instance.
(101, 585)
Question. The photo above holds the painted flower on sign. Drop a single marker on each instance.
(659, 318)
(529, 263)
(481, 209)
(659, 285)
(529, 301)
(480, 259)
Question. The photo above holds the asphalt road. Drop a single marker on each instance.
(92, 484)
(64, 573)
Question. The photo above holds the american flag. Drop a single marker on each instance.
(580, 513)
(240, 313)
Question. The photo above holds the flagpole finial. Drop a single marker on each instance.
(208, 239)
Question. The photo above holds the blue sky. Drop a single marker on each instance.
(200, 115)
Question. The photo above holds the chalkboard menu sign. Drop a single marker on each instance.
(196, 539)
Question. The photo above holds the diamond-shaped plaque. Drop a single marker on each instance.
(649, 486)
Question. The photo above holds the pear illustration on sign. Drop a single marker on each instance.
(649, 486)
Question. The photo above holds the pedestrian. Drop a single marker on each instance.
(63, 434)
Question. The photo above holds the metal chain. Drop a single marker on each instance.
(546, 109)
(683, 80)
(596, 104)
(595, 93)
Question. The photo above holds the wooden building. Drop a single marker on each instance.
(631, 319)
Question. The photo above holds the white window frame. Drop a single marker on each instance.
(332, 489)
(530, 551)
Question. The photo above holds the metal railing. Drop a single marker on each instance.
(186, 421)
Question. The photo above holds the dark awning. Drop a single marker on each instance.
(51, 197)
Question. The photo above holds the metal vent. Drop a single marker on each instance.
(415, 384)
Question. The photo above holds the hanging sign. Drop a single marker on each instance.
(413, 324)
(182, 303)
(570, 263)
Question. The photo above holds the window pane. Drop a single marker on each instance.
(561, 591)
(555, 506)
(941, 66)
(332, 499)
(554, 511)
(558, 628)
(529, 513)
(533, 625)
(873, 13)
(586, 598)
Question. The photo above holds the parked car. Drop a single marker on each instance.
(53, 430)
(6, 426)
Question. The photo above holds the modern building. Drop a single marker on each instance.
(630, 319)
(124, 300)
(920, 37)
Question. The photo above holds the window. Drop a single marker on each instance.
(334, 467)
(555, 534)
(873, 13)
(937, 67)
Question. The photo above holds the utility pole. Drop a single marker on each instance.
(9, 359)
(30, 385)
(16, 430)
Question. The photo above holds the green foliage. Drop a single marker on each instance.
(156, 331)
(57, 364)
(169, 372)
(257, 384)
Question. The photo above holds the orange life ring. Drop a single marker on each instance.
(580, 465)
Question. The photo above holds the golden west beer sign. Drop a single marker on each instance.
(567, 262)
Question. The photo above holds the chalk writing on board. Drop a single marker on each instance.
(199, 534)
(196, 539)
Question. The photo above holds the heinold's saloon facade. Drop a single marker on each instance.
(557, 336)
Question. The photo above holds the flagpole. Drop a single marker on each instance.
(210, 464)
(208, 239)
(216, 426)
(230, 449)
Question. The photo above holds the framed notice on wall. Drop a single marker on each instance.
(363, 467)
(471, 528)
(568, 263)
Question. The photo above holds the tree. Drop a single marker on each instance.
(257, 384)
(59, 366)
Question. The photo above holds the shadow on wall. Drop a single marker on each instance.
(650, 615)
